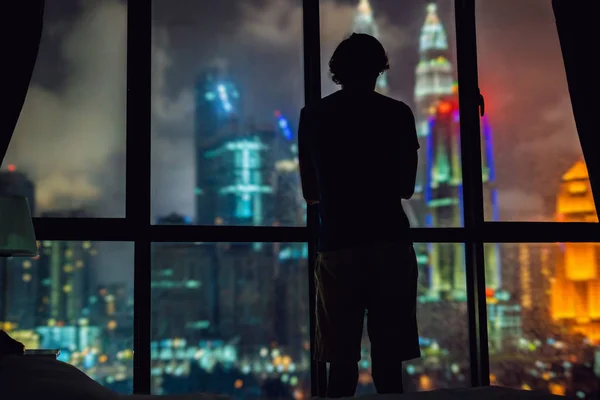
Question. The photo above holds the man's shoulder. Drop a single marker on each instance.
(383, 103)
(322, 103)
(392, 103)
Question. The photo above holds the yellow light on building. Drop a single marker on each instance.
(112, 325)
(425, 382)
(575, 298)
(238, 384)
(26, 277)
(556, 389)
(365, 378)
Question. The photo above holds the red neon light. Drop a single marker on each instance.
(12, 168)
(444, 107)
(489, 292)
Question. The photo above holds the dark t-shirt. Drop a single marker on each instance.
(357, 155)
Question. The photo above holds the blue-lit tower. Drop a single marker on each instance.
(434, 80)
(289, 203)
(232, 177)
(440, 175)
(365, 23)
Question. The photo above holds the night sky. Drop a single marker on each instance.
(71, 136)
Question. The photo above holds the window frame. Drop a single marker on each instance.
(137, 227)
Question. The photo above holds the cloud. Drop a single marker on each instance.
(278, 25)
(275, 23)
(521, 205)
(172, 136)
(66, 139)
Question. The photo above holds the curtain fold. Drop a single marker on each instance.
(21, 24)
(579, 34)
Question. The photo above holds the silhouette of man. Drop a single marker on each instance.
(358, 159)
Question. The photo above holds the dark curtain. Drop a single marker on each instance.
(21, 24)
(578, 30)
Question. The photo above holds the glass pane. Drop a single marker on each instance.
(225, 112)
(443, 328)
(76, 297)
(544, 319)
(68, 150)
(230, 318)
(419, 39)
(528, 113)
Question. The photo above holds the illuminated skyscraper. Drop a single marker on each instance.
(576, 284)
(64, 270)
(185, 282)
(289, 203)
(440, 203)
(232, 176)
(365, 23)
(434, 81)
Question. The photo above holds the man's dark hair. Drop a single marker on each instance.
(359, 58)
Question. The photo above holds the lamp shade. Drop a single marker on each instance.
(17, 237)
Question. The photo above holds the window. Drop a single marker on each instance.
(528, 113)
(211, 95)
(544, 323)
(67, 154)
(419, 40)
(230, 318)
(443, 330)
(226, 97)
(76, 296)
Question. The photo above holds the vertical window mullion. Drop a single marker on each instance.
(312, 92)
(466, 48)
(139, 79)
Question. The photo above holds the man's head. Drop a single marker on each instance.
(358, 61)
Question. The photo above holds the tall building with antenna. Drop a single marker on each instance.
(434, 80)
(439, 178)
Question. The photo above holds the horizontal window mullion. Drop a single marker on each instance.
(538, 232)
(98, 229)
(199, 233)
(122, 229)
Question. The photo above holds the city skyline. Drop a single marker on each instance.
(236, 314)
(93, 175)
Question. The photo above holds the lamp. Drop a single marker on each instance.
(17, 237)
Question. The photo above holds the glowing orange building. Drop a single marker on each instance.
(576, 284)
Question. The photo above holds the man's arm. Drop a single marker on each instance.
(308, 174)
(410, 158)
